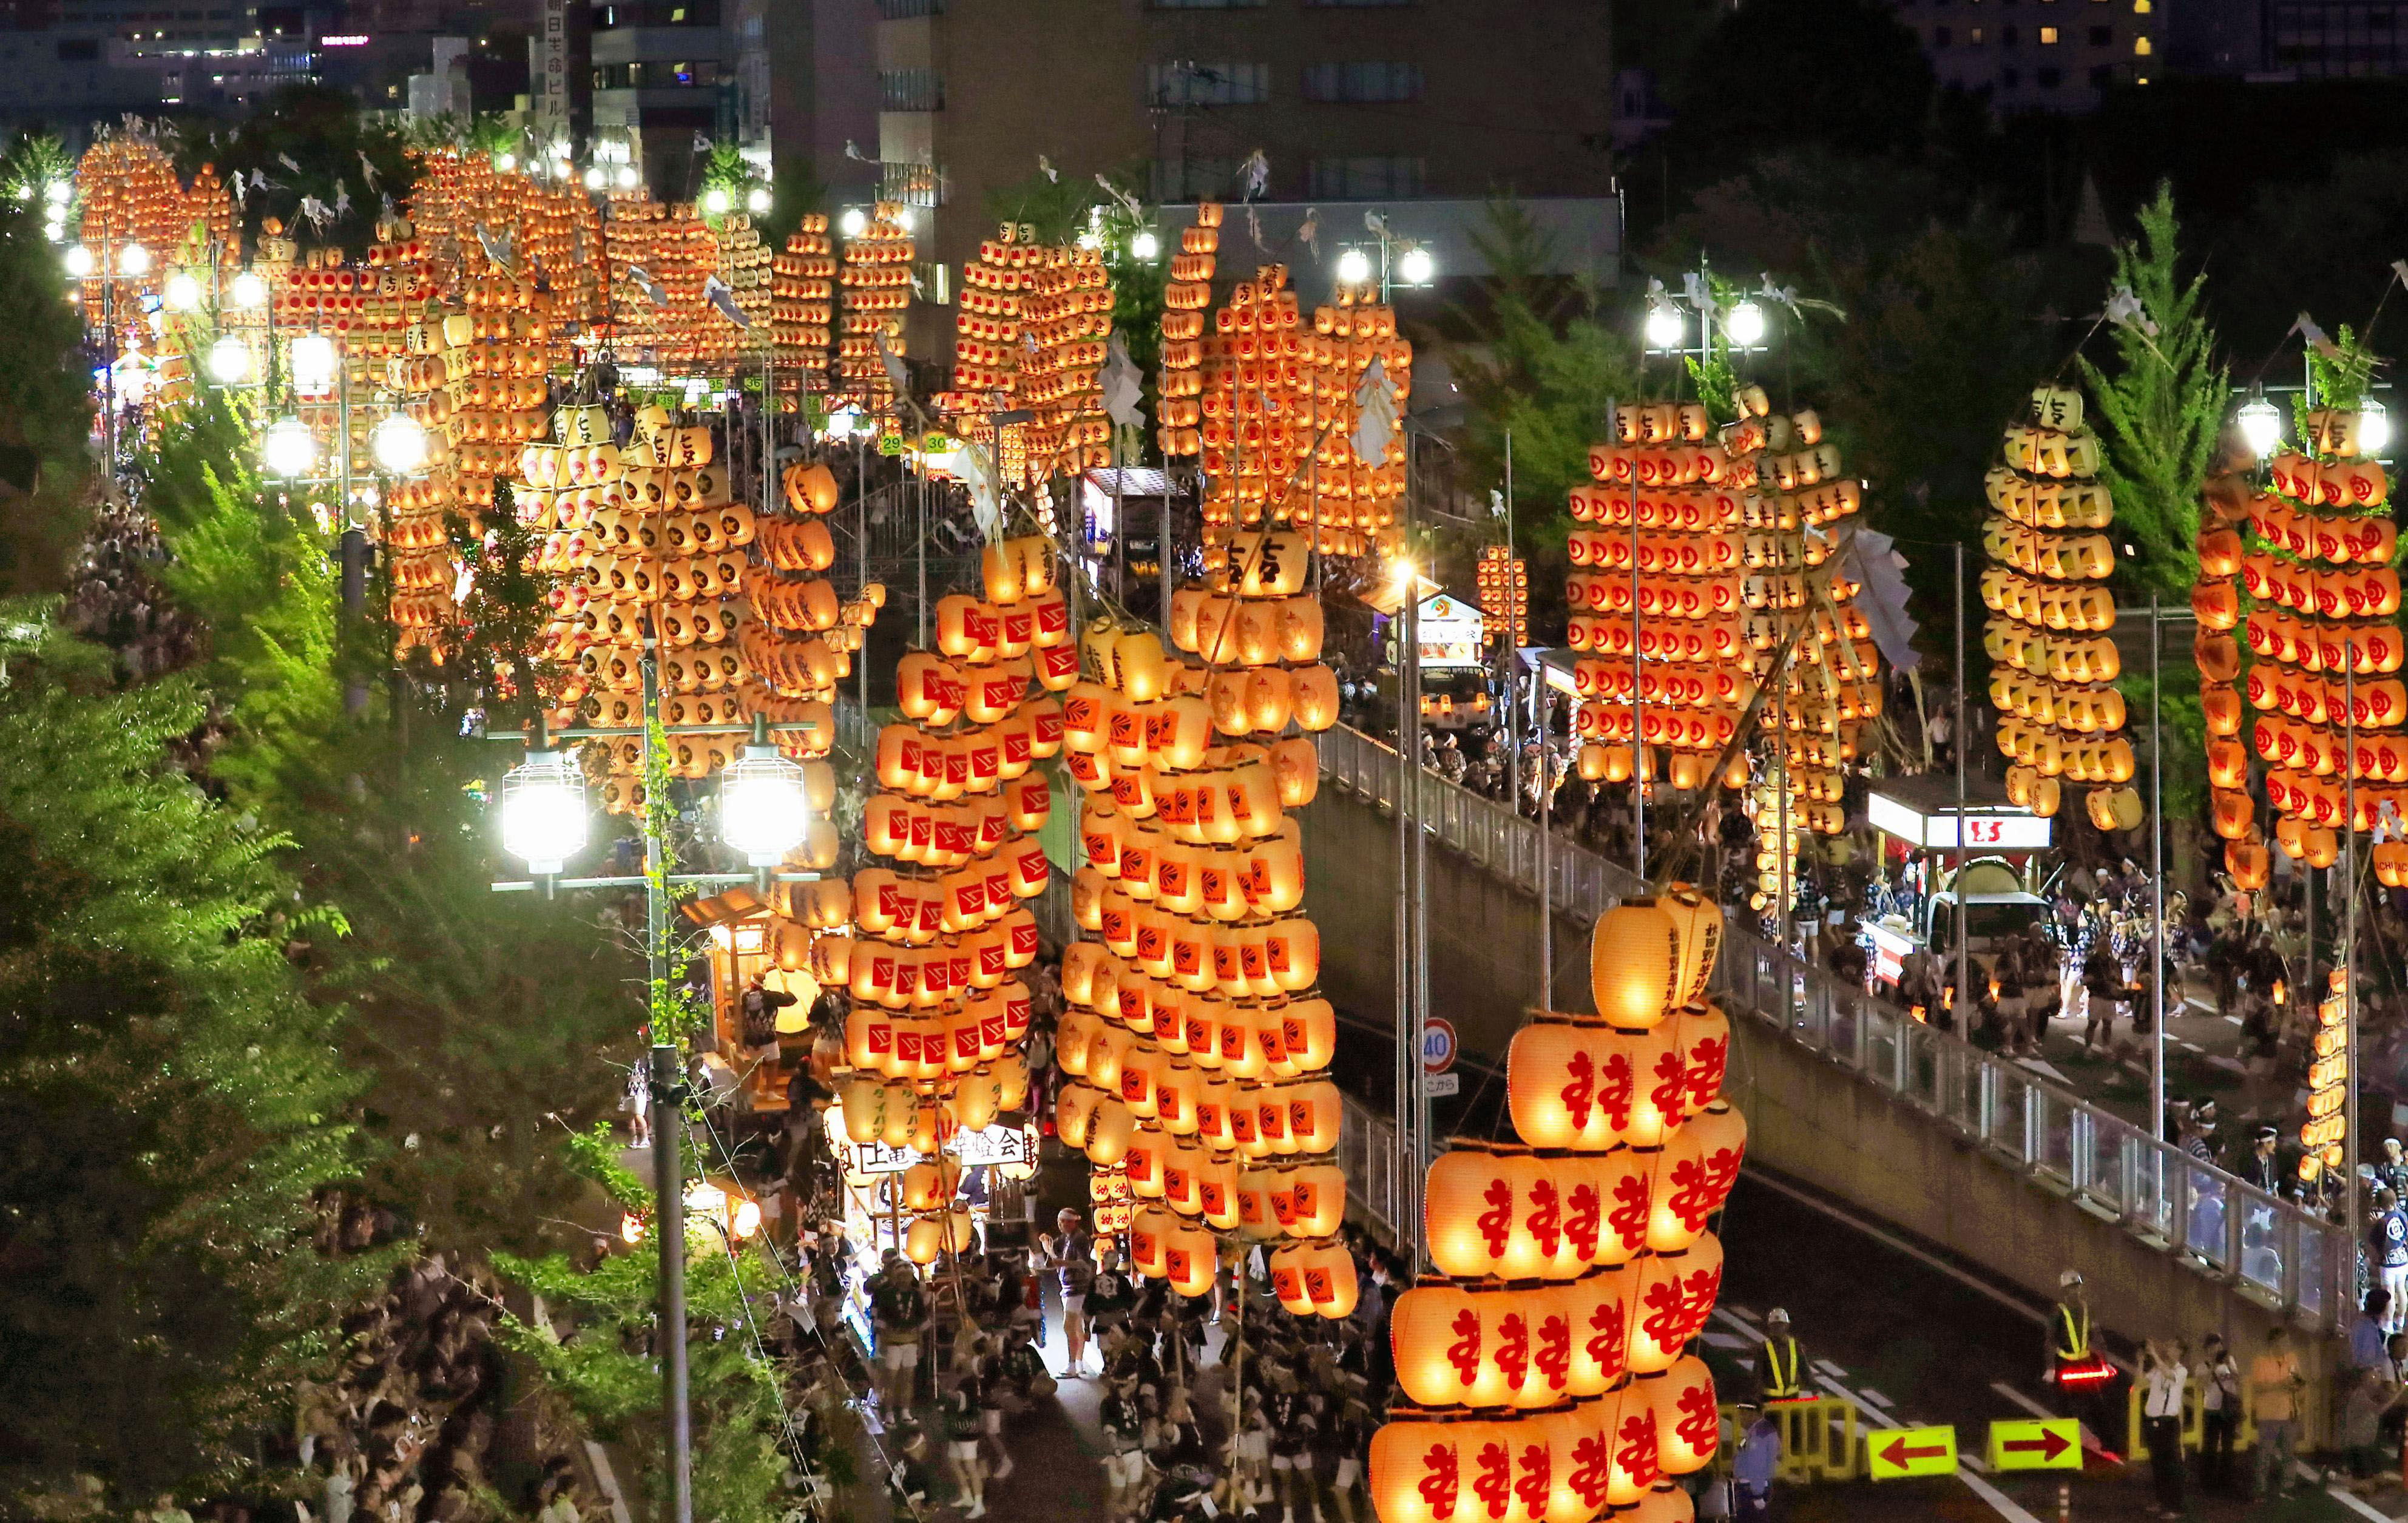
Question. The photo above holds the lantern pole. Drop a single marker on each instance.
(668, 1223)
(1964, 1000)
(861, 552)
(921, 550)
(1638, 705)
(2349, 944)
(2156, 880)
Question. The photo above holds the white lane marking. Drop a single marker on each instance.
(1745, 1318)
(2234, 1019)
(1875, 1397)
(1875, 1418)
(1725, 1341)
(1890, 1240)
(2020, 1400)
(1831, 1370)
(2188, 1046)
(2356, 1504)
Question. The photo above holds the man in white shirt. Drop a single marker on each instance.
(2163, 1380)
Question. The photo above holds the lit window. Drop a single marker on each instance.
(1976, 35)
(2048, 37)
(2141, 7)
(2141, 47)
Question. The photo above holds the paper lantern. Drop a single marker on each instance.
(1633, 1461)
(1329, 1280)
(1663, 1504)
(1442, 1346)
(1257, 1217)
(1190, 1259)
(1149, 1229)
(1636, 973)
(1596, 1308)
(931, 1187)
(1647, 1077)
(1688, 1427)
(1473, 1222)
(1671, 1296)
(1698, 923)
(1702, 1040)
(1310, 1201)
(1694, 1177)
(1110, 1133)
(1556, 1083)
(1308, 1031)
(1416, 1469)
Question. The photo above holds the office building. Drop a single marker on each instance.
(2038, 55)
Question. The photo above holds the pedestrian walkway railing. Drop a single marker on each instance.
(2270, 1249)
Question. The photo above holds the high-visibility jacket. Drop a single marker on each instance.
(2071, 1326)
(1780, 1370)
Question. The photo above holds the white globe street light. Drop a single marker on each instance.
(764, 811)
(58, 193)
(504, 162)
(905, 219)
(313, 363)
(716, 201)
(229, 361)
(1353, 266)
(757, 200)
(287, 449)
(852, 222)
(183, 293)
(543, 812)
(78, 261)
(400, 444)
(1145, 247)
(2374, 428)
(249, 290)
(628, 178)
(2261, 426)
(1745, 324)
(594, 178)
(1416, 268)
(134, 260)
(1665, 328)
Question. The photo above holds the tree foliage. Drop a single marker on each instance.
(2161, 411)
(172, 1097)
(45, 400)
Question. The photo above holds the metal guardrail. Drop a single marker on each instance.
(2270, 1249)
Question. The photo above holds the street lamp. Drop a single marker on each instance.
(1353, 266)
(2261, 426)
(757, 200)
(229, 361)
(594, 178)
(1665, 328)
(1145, 247)
(504, 162)
(313, 365)
(852, 222)
(134, 260)
(1745, 324)
(1417, 266)
(628, 178)
(287, 449)
(543, 812)
(716, 201)
(764, 811)
(183, 294)
(400, 444)
(78, 261)
(249, 290)
(2374, 428)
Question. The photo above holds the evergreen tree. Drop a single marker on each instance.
(2160, 414)
(45, 399)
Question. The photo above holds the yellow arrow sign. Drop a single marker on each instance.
(2036, 1443)
(1902, 1452)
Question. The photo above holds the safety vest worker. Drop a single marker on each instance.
(1783, 1366)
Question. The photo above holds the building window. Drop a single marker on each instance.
(910, 90)
(1215, 82)
(2102, 36)
(1366, 176)
(2011, 77)
(2048, 37)
(1976, 35)
(1194, 177)
(905, 10)
(1362, 83)
(1940, 37)
(1360, 3)
(2141, 47)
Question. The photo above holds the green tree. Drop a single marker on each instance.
(2162, 411)
(1543, 362)
(172, 1098)
(45, 404)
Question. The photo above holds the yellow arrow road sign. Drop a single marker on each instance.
(2036, 1443)
(1901, 1452)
